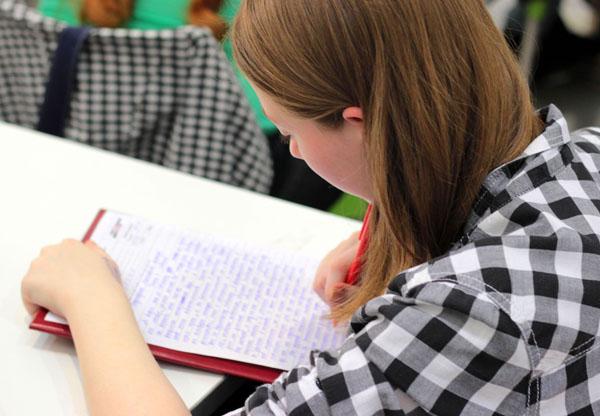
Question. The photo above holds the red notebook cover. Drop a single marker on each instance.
(202, 362)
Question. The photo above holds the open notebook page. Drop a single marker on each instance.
(209, 295)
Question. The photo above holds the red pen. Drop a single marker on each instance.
(355, 266)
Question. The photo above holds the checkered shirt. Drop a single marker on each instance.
(168, 97)
(505, 323)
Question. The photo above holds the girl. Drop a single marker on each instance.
(484, 224)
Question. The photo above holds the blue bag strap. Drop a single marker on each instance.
(57, 98)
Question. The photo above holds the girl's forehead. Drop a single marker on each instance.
(274, 111)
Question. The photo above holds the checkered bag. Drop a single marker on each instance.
(168, 96)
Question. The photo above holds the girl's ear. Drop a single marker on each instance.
(353, 115)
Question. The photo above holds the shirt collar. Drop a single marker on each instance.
(494, 189)
(555, 134)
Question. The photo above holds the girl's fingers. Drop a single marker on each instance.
(334, 280)
(334, 267)
(96, 248)
(337, 273)
(30, 307)
(112, 266)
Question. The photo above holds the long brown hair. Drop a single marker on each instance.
(443, 101)
(113, 13)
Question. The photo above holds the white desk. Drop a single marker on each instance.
(52, 188)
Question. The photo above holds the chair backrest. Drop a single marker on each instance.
(168, 97)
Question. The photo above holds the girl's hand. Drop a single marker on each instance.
(79, 282)
(68, 274)
(334, 267)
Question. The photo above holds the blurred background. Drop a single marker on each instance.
(558, 45)
(558, 42)
(565, 58)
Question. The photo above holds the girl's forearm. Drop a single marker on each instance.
(120, 375)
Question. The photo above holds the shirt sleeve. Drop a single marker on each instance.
(446, 351)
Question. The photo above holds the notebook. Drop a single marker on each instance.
(210, 302)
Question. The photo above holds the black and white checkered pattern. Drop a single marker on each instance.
(168, 96)
(506, 323)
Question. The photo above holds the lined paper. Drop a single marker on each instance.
(209, 295)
